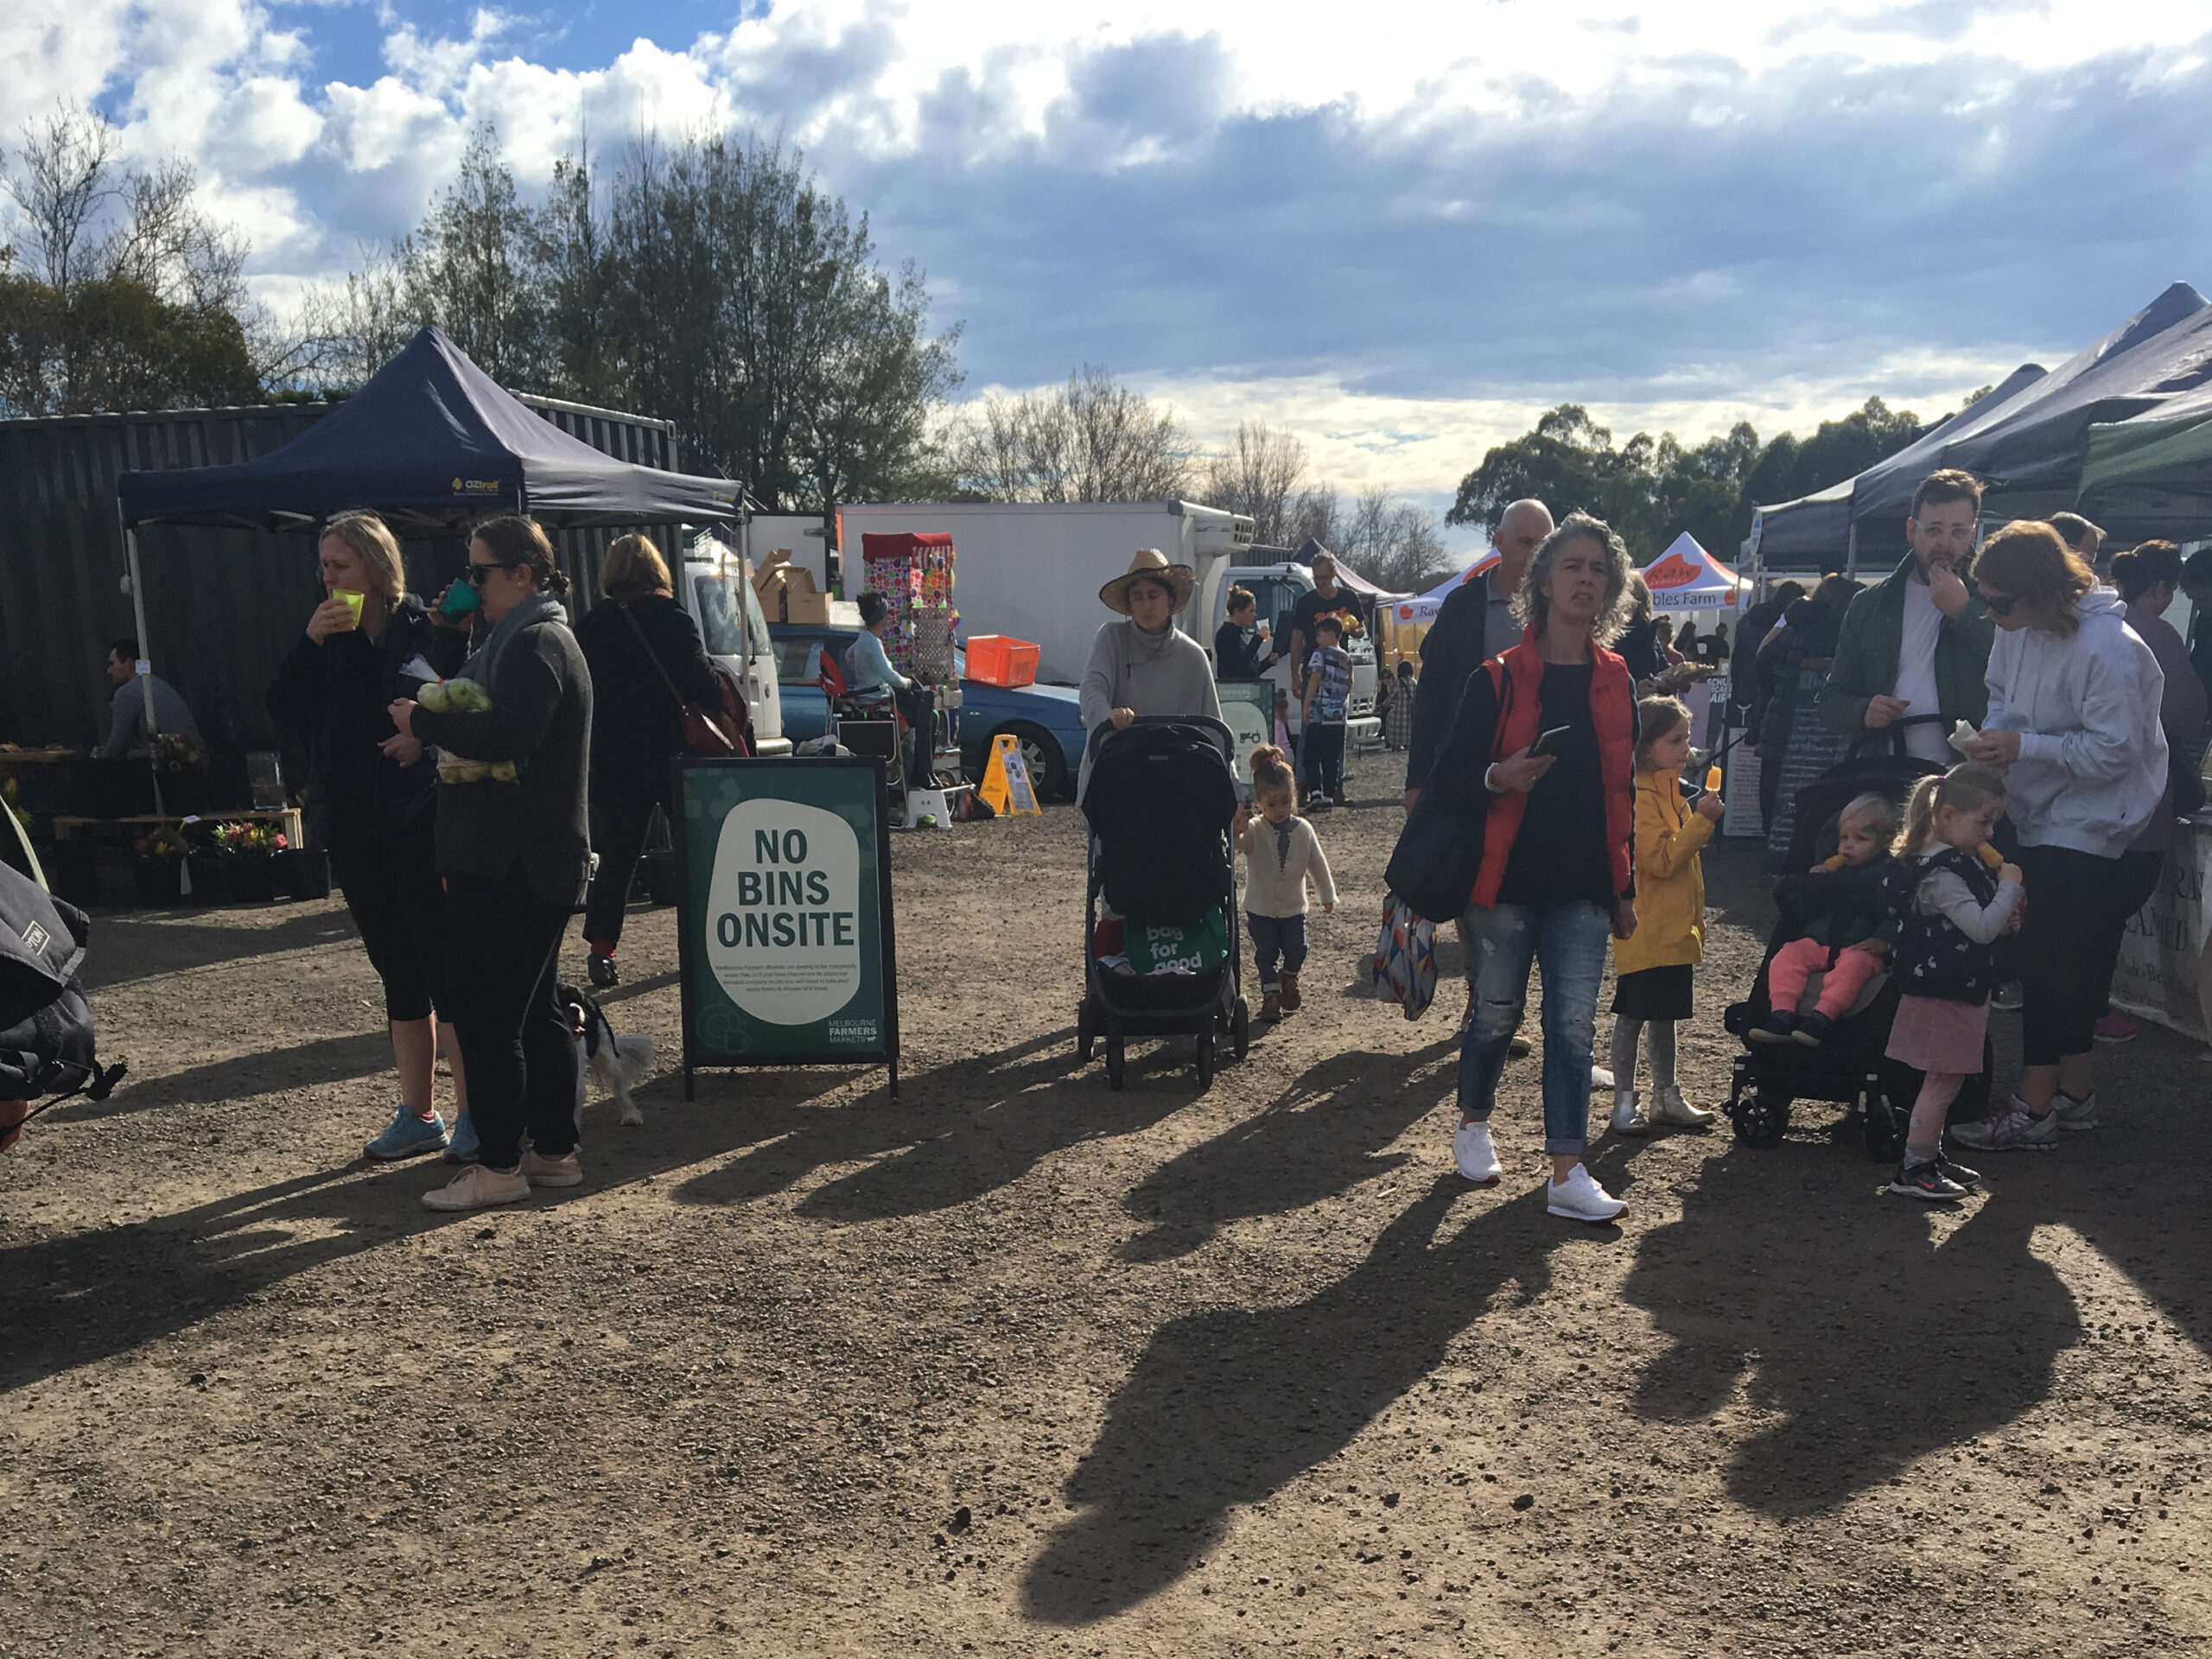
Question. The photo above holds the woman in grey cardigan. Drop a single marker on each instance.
(514, 849)
(1141, 665)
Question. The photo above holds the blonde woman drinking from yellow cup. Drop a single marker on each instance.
(371, 794)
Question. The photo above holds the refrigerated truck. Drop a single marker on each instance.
(1033, 570)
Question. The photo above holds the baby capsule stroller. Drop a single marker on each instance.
(1850, 1065)
(1160, 958)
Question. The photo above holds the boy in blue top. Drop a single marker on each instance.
(1328, 700)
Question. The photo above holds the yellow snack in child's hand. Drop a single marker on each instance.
(1989, 854)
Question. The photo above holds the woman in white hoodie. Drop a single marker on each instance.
(2074, 697)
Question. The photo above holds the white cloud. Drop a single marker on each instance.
(1402, 231)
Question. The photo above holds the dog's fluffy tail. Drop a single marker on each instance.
(634, 1056)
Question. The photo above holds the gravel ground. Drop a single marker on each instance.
(1021, 1366)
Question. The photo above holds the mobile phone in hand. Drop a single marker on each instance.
(1549, 741)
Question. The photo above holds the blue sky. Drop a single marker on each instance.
(1399, 236)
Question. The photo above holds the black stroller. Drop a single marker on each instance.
(1850, 1066)
(1160, 800)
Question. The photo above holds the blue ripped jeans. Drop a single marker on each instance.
(1568, 942)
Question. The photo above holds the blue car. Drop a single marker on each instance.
(1046, 718)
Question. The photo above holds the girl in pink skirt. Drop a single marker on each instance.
(1955, 906)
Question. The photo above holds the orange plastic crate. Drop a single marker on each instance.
(998, 660)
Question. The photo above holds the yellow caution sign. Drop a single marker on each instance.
(1007, 789)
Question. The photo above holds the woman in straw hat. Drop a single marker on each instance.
(1141, 665)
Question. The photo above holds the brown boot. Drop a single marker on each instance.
(1291, 1000)
(1271, 1005)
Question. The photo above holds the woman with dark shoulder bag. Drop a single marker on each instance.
(646, 661)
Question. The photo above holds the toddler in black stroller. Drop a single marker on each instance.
(1160, 955)
(1817, 1022)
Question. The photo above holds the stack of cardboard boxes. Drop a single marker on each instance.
(787, 592)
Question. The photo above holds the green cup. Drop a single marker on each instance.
(353, 602)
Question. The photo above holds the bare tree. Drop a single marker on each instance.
(1259, 476)
(129, 296)
(1394, 544)
(63, 179)
(1090, 439)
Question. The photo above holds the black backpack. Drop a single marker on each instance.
(46, 1027)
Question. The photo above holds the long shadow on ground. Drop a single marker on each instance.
(1325, 1135)
(1226, 1407)
(65, 1302)
(959, 1131)
(1865, 1336)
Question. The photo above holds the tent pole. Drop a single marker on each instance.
(1851, 553)
(145, 659)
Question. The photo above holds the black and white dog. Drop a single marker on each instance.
(619, 1063)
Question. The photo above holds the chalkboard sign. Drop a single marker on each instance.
(1812, 749)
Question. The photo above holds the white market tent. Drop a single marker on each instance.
(1421, 611)
(1687, 578)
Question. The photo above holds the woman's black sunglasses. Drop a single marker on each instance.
(2000, 604)
(473, 573)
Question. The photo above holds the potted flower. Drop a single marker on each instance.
(160, 864)
(249, 850)
(183, 771)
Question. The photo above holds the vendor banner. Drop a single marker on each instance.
(785, 939)
(2161, 971)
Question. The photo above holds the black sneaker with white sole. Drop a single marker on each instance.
(1959, 1173)
(1927, 1181)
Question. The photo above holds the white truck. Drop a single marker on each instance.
(1033, 570)
(1277, 588)
(716, 587)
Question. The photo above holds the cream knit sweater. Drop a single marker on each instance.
(1277, 861)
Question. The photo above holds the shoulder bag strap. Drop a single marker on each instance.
(651, 655)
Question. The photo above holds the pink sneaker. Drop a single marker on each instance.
(2117, 1027)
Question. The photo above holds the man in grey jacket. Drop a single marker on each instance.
(127, 733)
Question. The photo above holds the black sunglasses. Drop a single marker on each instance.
(473, 573)
(2000, 604)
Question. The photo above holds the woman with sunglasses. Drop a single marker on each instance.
(2073, 696)
(514, 853)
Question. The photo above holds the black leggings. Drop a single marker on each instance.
(393, 893)
(620, 819)
(2078, 906)
(503, 949)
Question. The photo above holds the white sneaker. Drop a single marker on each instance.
(1600, 1079)
(567, 1170)
(1578, 1197)
(2012, 1127)
(476, 1187)
(2074, 1116)
(1472, 1150)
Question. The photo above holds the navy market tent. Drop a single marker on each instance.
(2026, 440)
(434, 444)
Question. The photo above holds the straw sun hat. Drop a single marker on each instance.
(1150, 563)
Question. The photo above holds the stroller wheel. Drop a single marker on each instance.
(1761, 1117)
(1205, 1059)
(1086, 1039)
(1240, 1029)
(1113, 1062)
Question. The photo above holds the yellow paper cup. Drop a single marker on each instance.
(353, 602)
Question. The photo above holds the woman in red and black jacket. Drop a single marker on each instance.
(1540, 760)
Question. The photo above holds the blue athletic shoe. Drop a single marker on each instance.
(410, 1136)
(463, 1148)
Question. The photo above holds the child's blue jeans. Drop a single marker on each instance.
(1276, 938)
